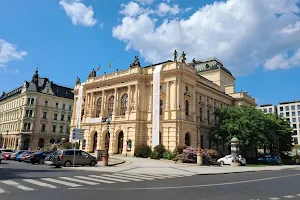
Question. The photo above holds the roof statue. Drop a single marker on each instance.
(136, 62)
(194, 62)
(182, 57)
(78, 81)
(175, 55)
(92, 74)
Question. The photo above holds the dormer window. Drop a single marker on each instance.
(207, 66)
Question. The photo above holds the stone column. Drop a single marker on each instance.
(115, 102)
(167, 103)
(92, 105)
(194, 104)
(136, 98)
(129, 100)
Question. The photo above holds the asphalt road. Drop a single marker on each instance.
(26, 181)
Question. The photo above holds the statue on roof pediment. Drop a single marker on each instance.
(182, 57)
(78, 81)
(175, 55)
(136, 62)
(92, 74)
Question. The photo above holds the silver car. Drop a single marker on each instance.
(66, 158)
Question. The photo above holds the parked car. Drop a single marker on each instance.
(14, 154)
(270, 159)
(39, 157)
(66, 157)
(1, 157)
(22, 156)
(227, 160)
(6, 155)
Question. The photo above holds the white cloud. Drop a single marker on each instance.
(79, 13)
(164, 8)
(145, 2)
(243, 34)
(283, 61)
(8, 52)
(131, 9)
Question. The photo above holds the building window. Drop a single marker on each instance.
(270, 110)
(124, 103)
(295, 132)
(44, 115)
(161, 104)
(62, 117)
(186, 88)
(110, 105)
(69, 118)
(295, 140)
(55, 116)
(298, 113)
(298, 107)
(294, 125)
(201, 114)
(187, 139)
(281, 108)
(70, 107)
(186, 107)
(160, 138)
(287, 108)
(56, 105)
(281, 114)
(293, 119)
(67, 130)
(32, 101)
(27, 113)
(98, 107)
(28, 101)
(28, 126)
(54, 128)
(25, 126)
(293, 113)
(287, 119)
(265, 110)
(61, 128)
(64, 106)
(43, 127)
(46, 103)
(287, 114)
(208, 115)
(292, 107)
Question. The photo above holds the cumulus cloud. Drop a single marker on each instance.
(243, 34)
(145, 2)
(79, 13)
(283, 61)
(8, 52)
(164, 8)
(131, 9)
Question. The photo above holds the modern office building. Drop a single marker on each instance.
(35, 114)
(268, 108)
(164, 103)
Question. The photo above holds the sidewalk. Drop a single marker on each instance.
(149, 166)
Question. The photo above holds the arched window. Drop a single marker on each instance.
(110, 105)
(41, 143)
(200, 110)
(52, 141)
(186, 107)
(82, 113)
(161, 104)
(187, 139)
(43, 127)
(32, 100)
(54, 128)
(124, 103)
(61, 128)
(208, 115)
(98, 107)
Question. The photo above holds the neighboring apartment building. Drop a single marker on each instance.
(187, 97)
(288, 110)
(35, 114)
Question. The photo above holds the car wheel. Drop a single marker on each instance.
(67, 164)
(221, 163)
(41, 161)
(93, 163)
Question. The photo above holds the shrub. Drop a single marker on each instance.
(143, 151)
(189, 155)
(159, 149)
(179, 149)
(168, 155)
(155, 155)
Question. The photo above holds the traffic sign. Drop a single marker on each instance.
(78, 134)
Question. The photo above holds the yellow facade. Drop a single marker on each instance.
(188, 97)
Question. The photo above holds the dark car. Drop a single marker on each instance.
(39, 157)
(269, 159)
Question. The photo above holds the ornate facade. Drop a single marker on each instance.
(35, 114)
(189, 94)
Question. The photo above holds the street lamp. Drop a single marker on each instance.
(106, 148)
(6, 138)
(199, 155)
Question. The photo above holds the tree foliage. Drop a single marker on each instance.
(252, 127)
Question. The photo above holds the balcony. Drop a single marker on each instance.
(26, 131)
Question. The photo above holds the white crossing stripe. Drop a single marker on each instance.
(3, 191)
(274, 198)
(111, 179)
(17, 185)
(126, 178)
(39, 183)
(289, 196)
(134, 176)
(94, 179)
(61, 182)
(79, 181)
(148, 176)
(298, 194)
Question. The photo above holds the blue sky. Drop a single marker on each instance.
(259, 41)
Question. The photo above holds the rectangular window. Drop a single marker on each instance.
(298, 113)
(295, 132)
(28, 126)
(62, 117)
(55, 116)
(293, 114)
(46, 103)
(295, 140)
(288, 119)
(292, 107)
(281, 114)
(298, 107)
(287, 108)
(294, 120)
(70, 107)
(56, 105)
(69, 117)
(270, 110)
(287, 114)
(28, 101)
(64, 106)
(265, 110)
(281, 108)
(32, 101)
(294, 125)
(27, 113)
(44, 115)
(30, 113)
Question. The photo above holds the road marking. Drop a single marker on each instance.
(39, 183)
(126, 178)
(17, 185)
(133, 176)
(94, 179)
(298, 194)
(3, 191)
(61, 182)
(111, 179)
(149, 176)
(289, 196)
(79, 181)
(193, 186)
(274, 198)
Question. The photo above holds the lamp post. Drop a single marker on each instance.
(6, 139)
(106, 148)
(199, 155)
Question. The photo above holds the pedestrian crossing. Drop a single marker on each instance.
(27, 185)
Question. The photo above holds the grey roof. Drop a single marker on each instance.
(41, 85)
(210, 64)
